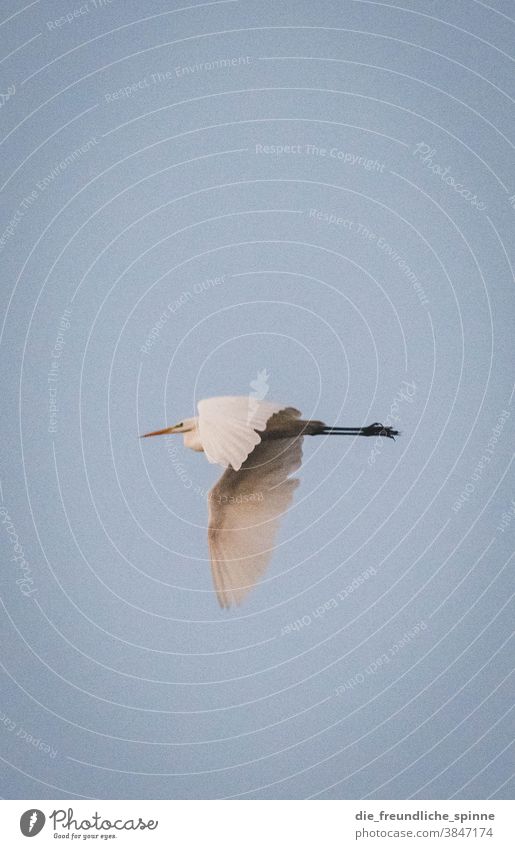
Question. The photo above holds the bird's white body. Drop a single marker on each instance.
(228, 429)
(259, 443)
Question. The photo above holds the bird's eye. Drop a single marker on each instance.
(180, 424)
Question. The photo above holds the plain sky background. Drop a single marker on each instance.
(120, 661)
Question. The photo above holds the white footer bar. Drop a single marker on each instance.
(259, 824)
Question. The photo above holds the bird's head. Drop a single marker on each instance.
(182, 427)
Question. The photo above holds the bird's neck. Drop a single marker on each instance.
(192, 438)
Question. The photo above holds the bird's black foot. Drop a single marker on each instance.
(378, 429)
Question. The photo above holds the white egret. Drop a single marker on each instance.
(260, 445)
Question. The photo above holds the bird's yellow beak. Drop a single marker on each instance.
(158, 432)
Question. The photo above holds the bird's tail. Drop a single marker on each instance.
(376, 429)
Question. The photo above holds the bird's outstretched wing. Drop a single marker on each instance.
(245, 509)
(229, 427)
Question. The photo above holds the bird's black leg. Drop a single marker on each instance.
(378, 429)
(375, 429)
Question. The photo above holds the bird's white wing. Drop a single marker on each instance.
(245, 509)
(228, 427)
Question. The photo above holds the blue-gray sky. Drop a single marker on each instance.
(192, 194)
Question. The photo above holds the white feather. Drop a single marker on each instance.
(229, 427)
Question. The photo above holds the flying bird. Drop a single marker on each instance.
(260, 445)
